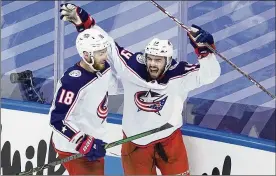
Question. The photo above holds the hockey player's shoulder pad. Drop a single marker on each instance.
(135, 62)
(178, 70)
(182, 68)
(129, 57)
(76, 78)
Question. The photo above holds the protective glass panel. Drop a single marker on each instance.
(244, 33)
(27, 47)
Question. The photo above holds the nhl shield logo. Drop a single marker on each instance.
(75, 73)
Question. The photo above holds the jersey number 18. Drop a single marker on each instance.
(66, 97)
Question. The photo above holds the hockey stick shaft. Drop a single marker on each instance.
(190, 32)
(107, 146)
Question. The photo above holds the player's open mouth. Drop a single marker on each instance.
(153, 70)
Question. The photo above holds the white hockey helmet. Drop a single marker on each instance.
(163, 48)
(91, 40)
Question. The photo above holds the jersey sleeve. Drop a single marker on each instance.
(115, 86)
(65, 100)
(119, 57)
(127, 65)
(205, 72)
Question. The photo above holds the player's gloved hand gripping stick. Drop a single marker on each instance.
(91, 148)
(107, 146)
(193, 35)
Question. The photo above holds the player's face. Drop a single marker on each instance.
(100, 58)
(155, 65)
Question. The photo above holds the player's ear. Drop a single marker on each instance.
(85, 55)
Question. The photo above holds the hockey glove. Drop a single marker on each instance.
(201, 36)
(76, 15)
(91, 148)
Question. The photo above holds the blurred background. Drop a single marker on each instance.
(37, 47)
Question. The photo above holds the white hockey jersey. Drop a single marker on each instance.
(80, 105)
(151, 104)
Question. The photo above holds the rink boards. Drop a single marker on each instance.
(26, 133)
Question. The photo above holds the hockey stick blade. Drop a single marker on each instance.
(107, 146)
(190, 31)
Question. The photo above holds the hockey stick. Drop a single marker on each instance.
(107, 146)
(191, 31)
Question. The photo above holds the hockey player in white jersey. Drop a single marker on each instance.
(155, 87)
(79, 109)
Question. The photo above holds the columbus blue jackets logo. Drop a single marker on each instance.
(102, 109)
(150, 101)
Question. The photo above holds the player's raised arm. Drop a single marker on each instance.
(208, 69)
(114, 87)
(120, 58)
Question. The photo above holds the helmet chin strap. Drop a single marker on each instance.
(90, 64)
(167, 66)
